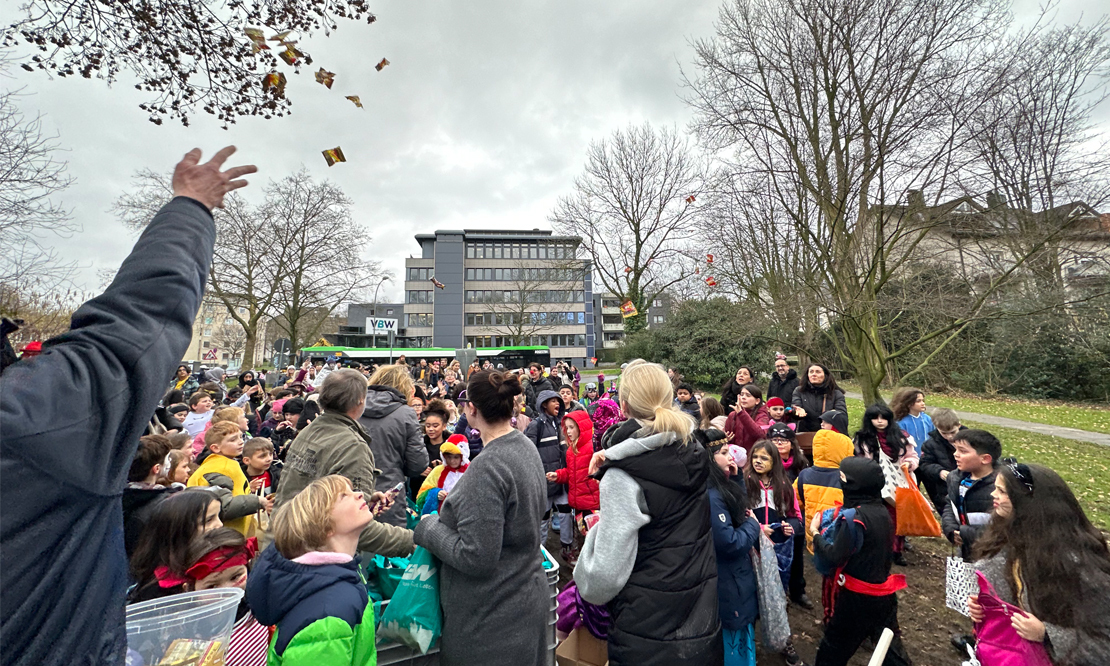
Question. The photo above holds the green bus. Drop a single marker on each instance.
(510, 357)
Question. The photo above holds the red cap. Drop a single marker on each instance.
(775, 402)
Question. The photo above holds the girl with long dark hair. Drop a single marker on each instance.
(748, 421)
(161, 555)
(735, 533)
(880, 435)
(1040, 552)
(730, 391)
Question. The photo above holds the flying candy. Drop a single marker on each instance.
(281, 37)
(711, 281)
(258, 39)
(437, 283)
(381, 65)
(325, 77)
(275, 80)
(709, 258)
(334, 155)
(627, 269)
(690, 199)
(356, 100)
(290, 55)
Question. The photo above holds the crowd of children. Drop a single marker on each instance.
(201, 492)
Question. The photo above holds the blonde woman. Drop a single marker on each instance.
(396, 437)
(650, 557)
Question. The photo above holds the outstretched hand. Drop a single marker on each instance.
(205, 182)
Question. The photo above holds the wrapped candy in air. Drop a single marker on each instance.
(334, 155)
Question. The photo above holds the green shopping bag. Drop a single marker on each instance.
(413, 616)
(384, 574)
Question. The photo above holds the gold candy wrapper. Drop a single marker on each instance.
(290, 55)
(325, 77)
(334, 155)
(381, 65)
(275, 80)
(188, 652)
(356, 100)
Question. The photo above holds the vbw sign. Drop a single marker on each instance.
(376, 325)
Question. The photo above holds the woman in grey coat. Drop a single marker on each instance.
(487, 534)
(396, 437)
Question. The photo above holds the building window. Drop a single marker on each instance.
(657, 319)
(610, 303)
(657, 303)
(205, 344)
(242, 311)
(207, 332)
(207, 320)
(420, 274)
(389, 311)
(418, 320)
(227, 321)
(418, 296)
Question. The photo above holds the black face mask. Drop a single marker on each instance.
(863, 481)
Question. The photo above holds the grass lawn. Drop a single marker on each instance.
(1072, 415)
(1086, 467)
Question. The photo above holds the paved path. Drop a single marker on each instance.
(1027, 426)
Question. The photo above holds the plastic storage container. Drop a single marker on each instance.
(193, 623)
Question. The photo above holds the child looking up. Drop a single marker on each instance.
(685, 400)
(908, 405)
(863, 599)
(442, 479)
(938, 455)
(263, 472)
(142, 493)
(878, 436)
(309, 585)
(161, 555)
(776, 410)
(544, 431)
(221, 468)
(582, 491)
(969, 505)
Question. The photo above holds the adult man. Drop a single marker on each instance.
(783, 382)
(335, 443)
(71, 420)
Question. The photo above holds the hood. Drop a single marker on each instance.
(543, 397)
(585, 427)
(686, 471)
(276, 585)
(136, 498)
(838, 420)
(244, 374)
(215, 375)
(830, 448)
(864, 482)
(381, 401)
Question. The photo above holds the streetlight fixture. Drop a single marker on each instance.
(374, 307)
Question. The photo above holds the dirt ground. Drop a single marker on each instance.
(926, 623)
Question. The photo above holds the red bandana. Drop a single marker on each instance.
(223, 558)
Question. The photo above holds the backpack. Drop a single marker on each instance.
(833, 520)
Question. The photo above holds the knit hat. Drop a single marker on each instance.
(293, 406)
(279, 405)
(775, 402)
(838, 420)
(781, 431)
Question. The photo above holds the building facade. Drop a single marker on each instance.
(217, 338)
(493, 288)
(611, 329)
(354, 333)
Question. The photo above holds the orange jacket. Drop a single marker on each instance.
(818, 488)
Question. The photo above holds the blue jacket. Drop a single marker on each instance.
(737, 597)
(71, 420)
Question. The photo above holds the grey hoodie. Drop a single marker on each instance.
(397, 442)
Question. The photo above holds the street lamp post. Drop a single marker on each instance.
(374, 307)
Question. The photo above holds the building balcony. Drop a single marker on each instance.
(610, 311)
(612, 327)
(610, 344)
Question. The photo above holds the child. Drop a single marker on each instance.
(684, 398)
(1042, 554)
(776, 509)
(224, 414)
(592, 396)
(735, 533)
(863, 594)
(142, 493)
(746, 422)
(712, 414)
(159, 560)
(200, 413)
(221, 558)
(442, 479)
(566, 393)
(776, 410)
(309, 585)
(836, 421)
(793, 460)
(544, 433)
(263, 473)
(178, 469)
(908, 405)
(582, 491)
(938, 455)
(220, 468)
(969, 505)
(880, 435)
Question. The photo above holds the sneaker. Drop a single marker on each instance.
(962, 642)
(900, 560)
(803, 601)
(791, 657)
(569, 554)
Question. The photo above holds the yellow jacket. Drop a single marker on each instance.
(218, 464)
(818, 488)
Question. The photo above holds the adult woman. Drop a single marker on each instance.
(747, 424)
(184, 381)
(816, 394)
(650, 557)
(730, 392)
(487, 534)
(1040, 552)
(395, 435)
(246, 380)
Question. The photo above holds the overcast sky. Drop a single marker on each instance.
(481, 121)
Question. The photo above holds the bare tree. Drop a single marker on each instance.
(44, 314)
(231, 338)
(322, 267)
(188, 54)
(249, 259)
(855, 108)
(634, 208)
(30, 180)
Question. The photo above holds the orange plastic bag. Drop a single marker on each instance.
(915, 515)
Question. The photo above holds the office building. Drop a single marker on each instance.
(492, 288)
(611, 328)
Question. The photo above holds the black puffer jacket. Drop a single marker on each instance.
(544, 433)
(667, 611)
(970, 514)
(937, 455)
(816, 401)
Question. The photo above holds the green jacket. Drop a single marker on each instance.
(321, 612)
(337, 444)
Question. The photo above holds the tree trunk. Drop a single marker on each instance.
(248, 348)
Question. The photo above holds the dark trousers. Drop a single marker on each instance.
(797, 568)
(856, 617)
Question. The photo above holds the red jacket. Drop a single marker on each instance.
(581, 489)
(746, 430)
